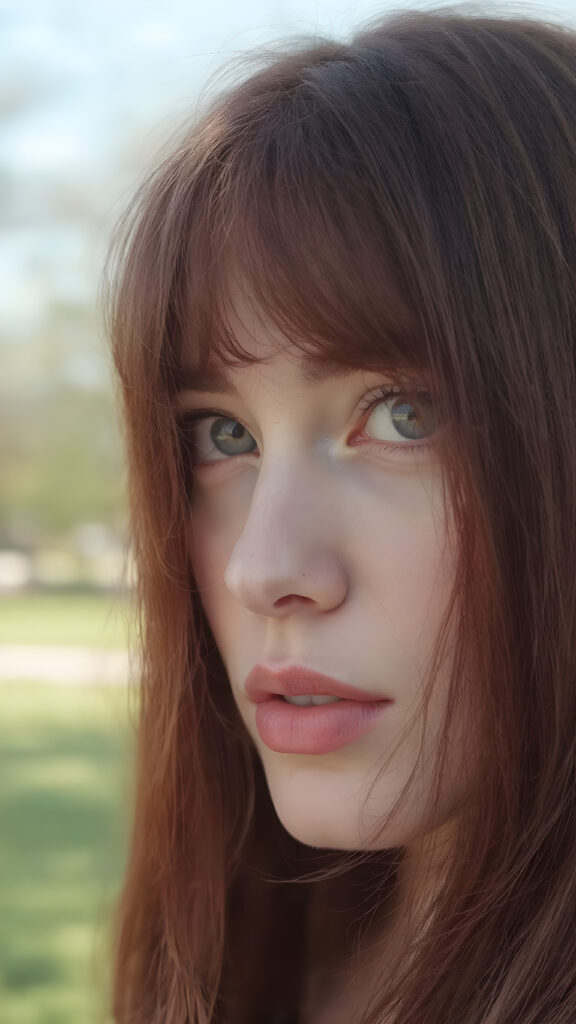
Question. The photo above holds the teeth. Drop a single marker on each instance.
(307, 699)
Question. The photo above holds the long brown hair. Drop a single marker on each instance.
(405, 199)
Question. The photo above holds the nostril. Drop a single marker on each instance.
(282, 601)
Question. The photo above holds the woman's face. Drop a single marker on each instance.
(318, 543)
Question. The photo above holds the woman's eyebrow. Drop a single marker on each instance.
(211, 379)
(313, 371)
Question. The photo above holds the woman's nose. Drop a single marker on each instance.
(286, 559)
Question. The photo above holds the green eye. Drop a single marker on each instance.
(213, 438)
(411, 417)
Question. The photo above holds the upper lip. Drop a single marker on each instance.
(295, 681)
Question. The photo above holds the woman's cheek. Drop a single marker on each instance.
(219, 507)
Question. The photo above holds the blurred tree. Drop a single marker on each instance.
(60, 448)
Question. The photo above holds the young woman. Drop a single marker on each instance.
(343, 320)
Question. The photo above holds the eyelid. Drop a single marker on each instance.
(393, 388)
(382, 390)
(390, 389)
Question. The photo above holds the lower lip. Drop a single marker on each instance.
(316, 729)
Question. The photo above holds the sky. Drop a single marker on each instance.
(89, 89)
(76, 71)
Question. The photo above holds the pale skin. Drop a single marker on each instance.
(318, 538)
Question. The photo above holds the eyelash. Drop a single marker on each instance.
(388, 391)
(384, 392)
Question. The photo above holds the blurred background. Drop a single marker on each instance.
(89, 91)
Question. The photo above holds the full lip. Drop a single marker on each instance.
(264, 683)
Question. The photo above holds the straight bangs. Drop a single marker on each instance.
(287, 217)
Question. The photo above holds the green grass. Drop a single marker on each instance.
(64, 784)
(89, 620)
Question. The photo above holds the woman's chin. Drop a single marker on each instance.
(327, 820)
(338, 812)
(322, 834)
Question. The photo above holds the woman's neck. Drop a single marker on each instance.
(345, 950)
(348, 952)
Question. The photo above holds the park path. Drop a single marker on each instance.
(68, 665)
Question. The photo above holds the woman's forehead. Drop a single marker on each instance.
(218, 375)
(245, 335)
